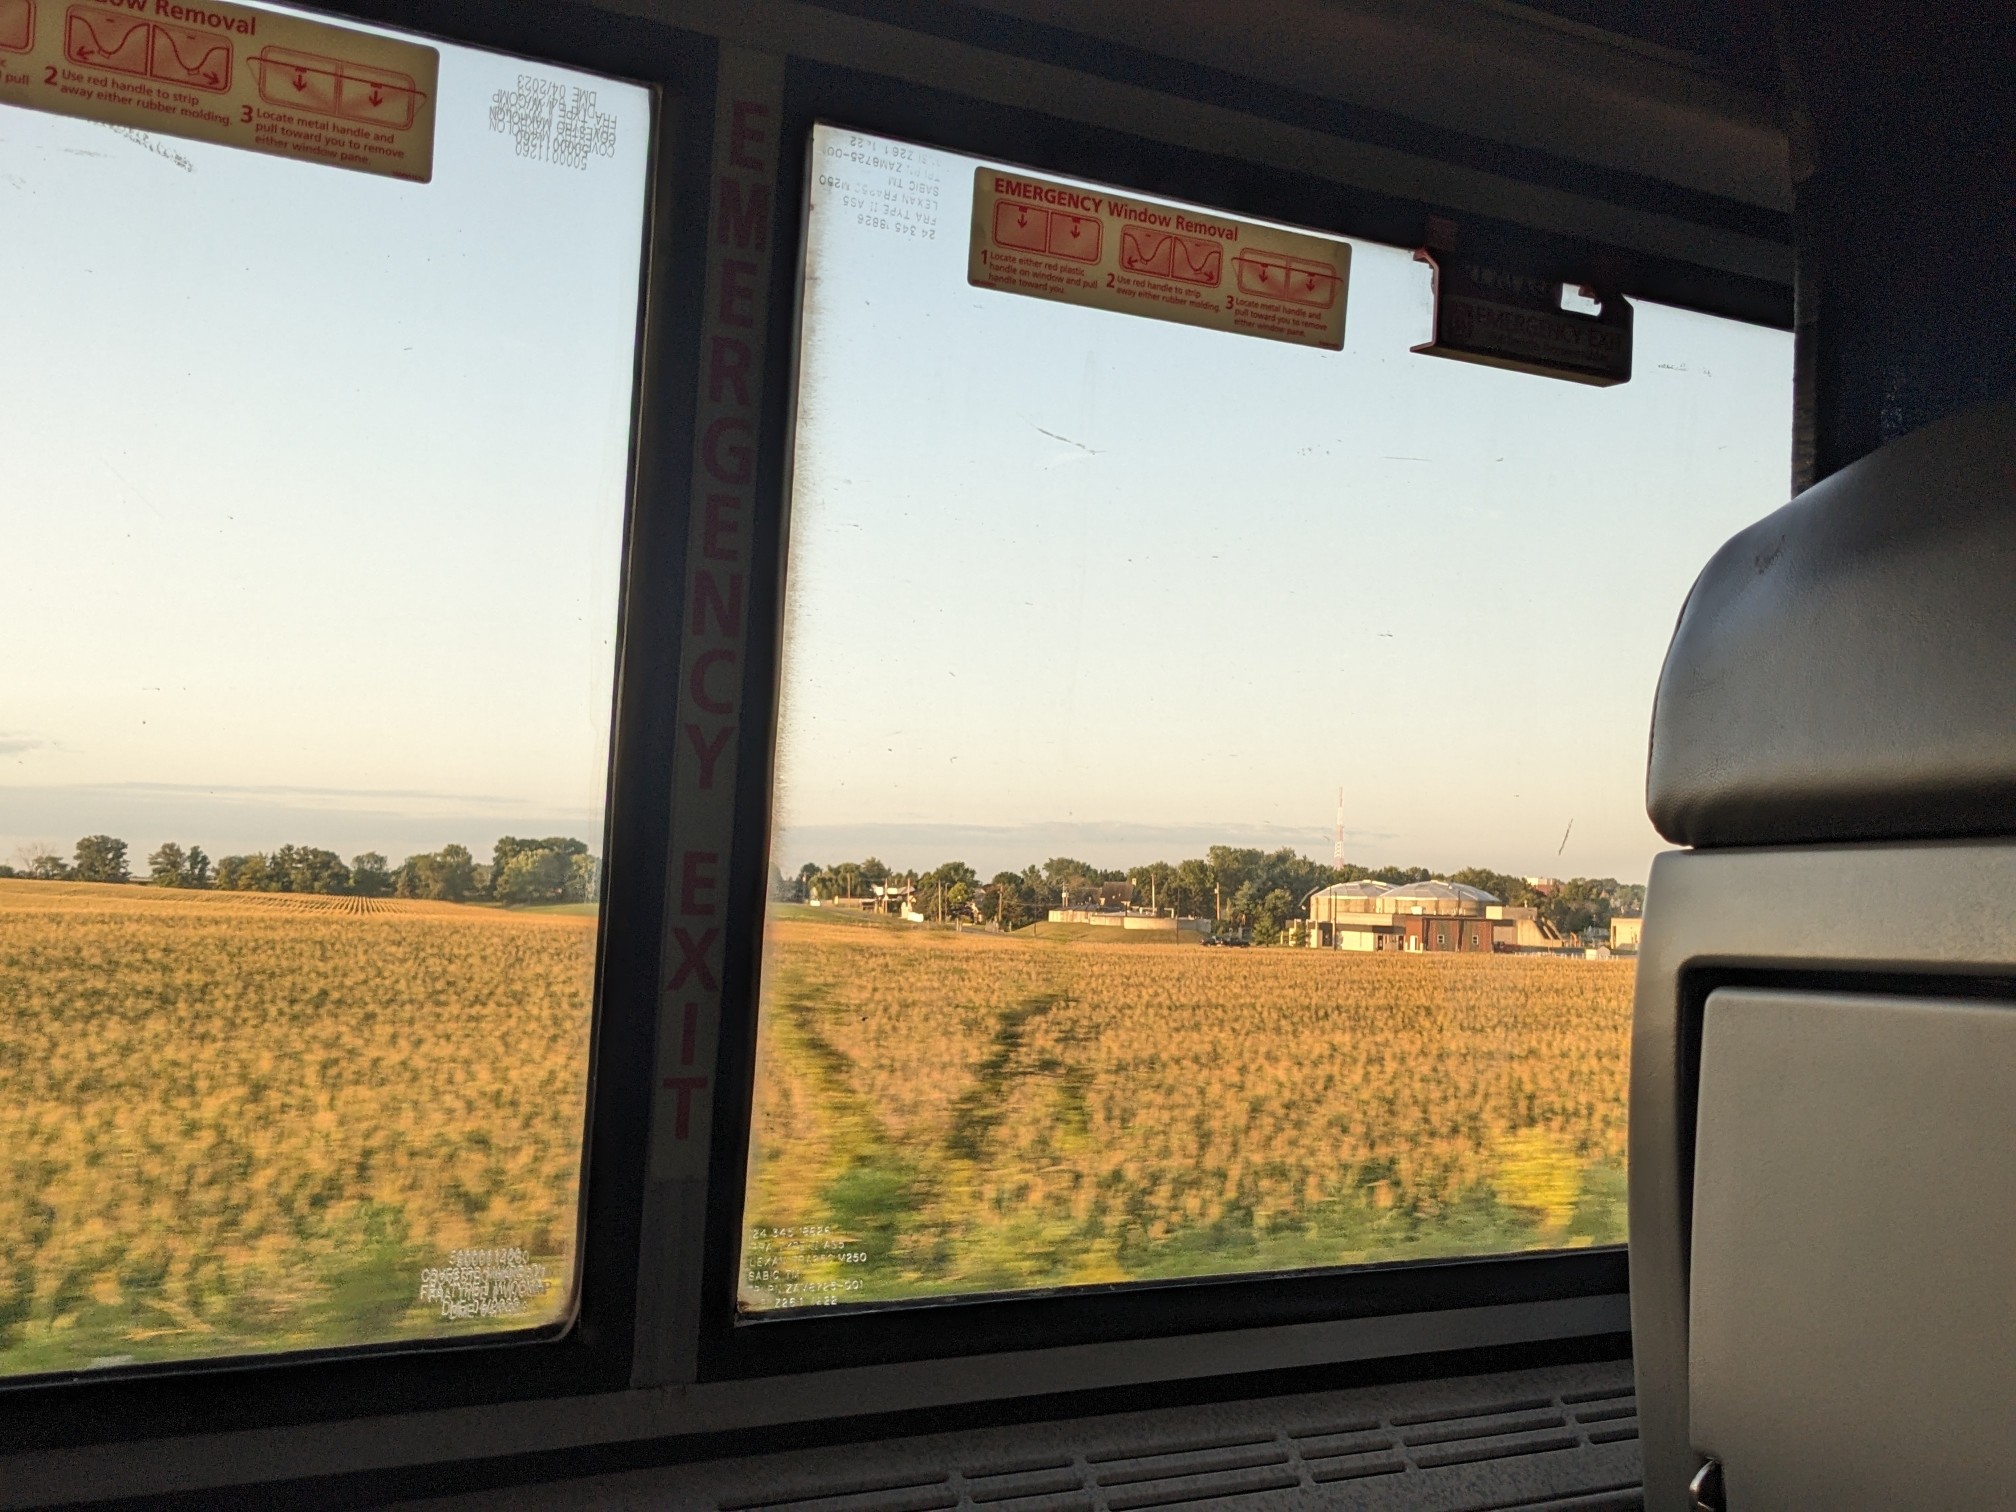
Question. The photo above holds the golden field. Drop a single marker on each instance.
(235, 1122)
(969, 1112)
(239, 1122)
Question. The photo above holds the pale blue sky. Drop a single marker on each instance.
(1071, 581)
(312, 483)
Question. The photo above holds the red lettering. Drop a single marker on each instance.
(738, 293)
(745, 221)
(682, 1110)
(727, 610)
(709, 752)
(693, 959)
(735, 463)
(697, 683)
(738, 133)
(695, 879)
(728, 362)
(717, 530)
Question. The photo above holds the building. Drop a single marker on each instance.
(1105, 896)
(1419, 916)
(1423, 916)
(1521, 928)
(1625, 930)
(881, 898)
(1131, 918)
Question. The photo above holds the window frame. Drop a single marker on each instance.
(733, 1346)
(590, 1349)
(672, 47)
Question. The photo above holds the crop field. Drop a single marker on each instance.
(249, 1122)
(944, 1112)
(234, 1122)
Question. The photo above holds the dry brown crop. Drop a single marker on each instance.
(234, 1122)
(941, 1112)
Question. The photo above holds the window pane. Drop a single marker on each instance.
(1089, 619)
(313, 488)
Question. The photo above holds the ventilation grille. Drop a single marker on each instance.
(1538, 1449)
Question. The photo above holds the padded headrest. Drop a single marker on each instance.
(1845, 669)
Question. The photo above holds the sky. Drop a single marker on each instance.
(1072, 582)
(312, 490)
(312, 483)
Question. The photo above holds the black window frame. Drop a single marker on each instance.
(589, 1351)
(594, 1354)
(736, 1346)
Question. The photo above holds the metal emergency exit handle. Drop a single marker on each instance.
(1706, 1488)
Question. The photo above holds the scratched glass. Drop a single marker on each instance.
(312, 484)
(1209, 816)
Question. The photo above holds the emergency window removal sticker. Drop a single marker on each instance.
(216, 72)
(1110, 252)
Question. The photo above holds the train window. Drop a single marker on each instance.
(1072, 974)
(314, 493)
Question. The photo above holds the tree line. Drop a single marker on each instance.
(556, 869)
(1251, 889)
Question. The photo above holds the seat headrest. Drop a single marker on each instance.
(1845, 669)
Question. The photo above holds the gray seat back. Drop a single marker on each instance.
(1823, 1119)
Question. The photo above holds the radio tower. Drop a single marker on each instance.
(1337, 848)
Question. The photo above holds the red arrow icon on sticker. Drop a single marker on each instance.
(300, 79)
(377, 95)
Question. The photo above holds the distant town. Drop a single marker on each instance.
(1240, 896)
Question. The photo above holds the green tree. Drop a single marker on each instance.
(370, 877)
(584, 880)
(1037, 892)
(532, 876)
(1579, 905)
(246, 874)
(511, 846)
(447, 875)
(1190, 891)
(1515, 891)
(196, 868)
(1625, 897)
(307, 869)
(100, 858)
(945, 890)
(1399, 876)
(1151, 883)
(168, 865)
(1232, 867)
(1067, 878)
(1271, 912)
(45, 865)
(1288, 871)
(1006, 902)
